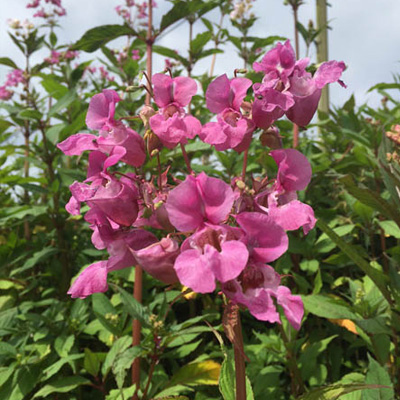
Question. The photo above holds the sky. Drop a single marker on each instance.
(365, 35)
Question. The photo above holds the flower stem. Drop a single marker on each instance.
(240, 367)
(296, 40)
(246, 153)
(186, 158)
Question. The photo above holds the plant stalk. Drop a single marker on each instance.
(240, 367)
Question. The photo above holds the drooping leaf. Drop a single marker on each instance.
(63, 385)
(97, 37)
(197, 373)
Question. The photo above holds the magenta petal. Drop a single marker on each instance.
(264, 117)
(239, 87)
(217, 196)
(101, 109)
(162, 89)
(266, 240)
(232, 261)
(75, 145)
(294, 170)
(304, 108)
(158, 260)
(73, 206)
(193, 126)
(96, 163)
(329, 72)
(263, 308)
(292, 306)
(218, 94)
(184, 206)
(184, 89)
(194, 269)
(93, 279)
(293, 215)
(212, 133)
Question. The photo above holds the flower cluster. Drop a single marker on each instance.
(56, 57)
(133, 11)
(14, 78)
(213, 234)
(54, 8)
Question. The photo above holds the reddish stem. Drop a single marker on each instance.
(240, 367)
(186, 158)
(246, 153)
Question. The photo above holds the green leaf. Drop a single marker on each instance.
(133, 307)
(167, 52)
(335, 392)
(349, 250)
(4, 125)
(63, 344)
(54, 368)
(63, 385)
(7, 61)
(181, 9)
(123, 361)
(7, 350)
(227, 378)
(53, 38)
(197, 373)
(328, 307)
(97, 37)
(30, 114)
(118, 347)
(63, 103)
(390, 228)
(371, 199)
(197, 44)
(35, 259)
(91, 362)
(54, 88)
(53, 133)
(378, 375)
(121, 394)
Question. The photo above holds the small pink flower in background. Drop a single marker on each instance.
(5, 94)
(135, 55)
(41, 14)
(15, 77)
(55, 57)
(33, 4)
(71, 54)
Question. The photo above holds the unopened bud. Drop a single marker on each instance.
(154, 144)
(146, 113)
(240, 184)
(131, 89)
(271, 138)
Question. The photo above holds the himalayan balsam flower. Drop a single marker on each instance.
(287, 88)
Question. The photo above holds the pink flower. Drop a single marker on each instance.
(287, 88)
(54, 57)
(135, 55)
(232, 131)
(211, 254)
(34, 4)
(15, 77)
(198, 200)
(280, 201)
(265, 239)
(158, 259)
(120, 142)
(171, 124)
(256, 287)
(5, 94)
(93, 279)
